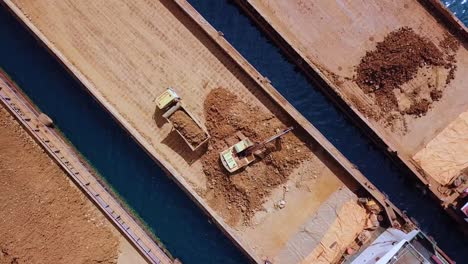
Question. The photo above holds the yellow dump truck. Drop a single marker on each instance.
(170, 102)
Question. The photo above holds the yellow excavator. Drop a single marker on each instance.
(245, 151)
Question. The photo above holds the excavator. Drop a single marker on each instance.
(245, 151)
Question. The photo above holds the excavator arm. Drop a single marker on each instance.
(260, 145)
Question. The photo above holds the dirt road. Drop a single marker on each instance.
(44, 218)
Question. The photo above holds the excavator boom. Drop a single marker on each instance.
(262, 144)
(280, 134)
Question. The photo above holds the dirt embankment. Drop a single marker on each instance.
(187, 127)
(239, 195)
(44, 218)
(397, 60)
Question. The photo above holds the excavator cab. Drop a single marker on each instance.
(235, 156)
(241, 153)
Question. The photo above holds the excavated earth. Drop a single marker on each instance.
(239, 195)
(187, 127)
(44, 218)
(398, 59)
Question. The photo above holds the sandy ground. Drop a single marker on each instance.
(447, 154)
(333, 36)
(350, 221)
(44, 217)
(129, 61)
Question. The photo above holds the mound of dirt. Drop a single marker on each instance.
(397, 60)
(187, 127)
(449, 44)
(239, 195)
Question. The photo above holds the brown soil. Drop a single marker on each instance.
(44, 217)
(418, 108)
(436, 95)
(187, 127)
(397, 60)
(449, 44)
(238, 196)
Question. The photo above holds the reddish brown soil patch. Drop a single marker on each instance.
(436, 95)
(44, 218)
(238, 196)
(397, 60)
(188, 128)
(418, 108)
(449, 44)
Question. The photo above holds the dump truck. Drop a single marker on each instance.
(245, 151)
(169, 102)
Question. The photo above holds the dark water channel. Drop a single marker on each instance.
(163, 206)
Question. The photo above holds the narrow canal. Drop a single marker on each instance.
(169, 213)
(241, 32)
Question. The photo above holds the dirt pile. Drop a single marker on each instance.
(238, 196)
(449, 44)
(187, 127)
(44, 218)
(397, 60)
(6, 257)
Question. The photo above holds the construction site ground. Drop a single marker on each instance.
(127, 62)
(45, 218)
(419, 106)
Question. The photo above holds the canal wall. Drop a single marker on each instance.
(337, 81)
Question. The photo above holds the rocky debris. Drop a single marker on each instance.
(6, 257)
(364, 236)
(436, 95)
(418, 108)
(281, 204)
(449, 44)
(188, 128)
(239, 195)
(45, 120)
(397, 60)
